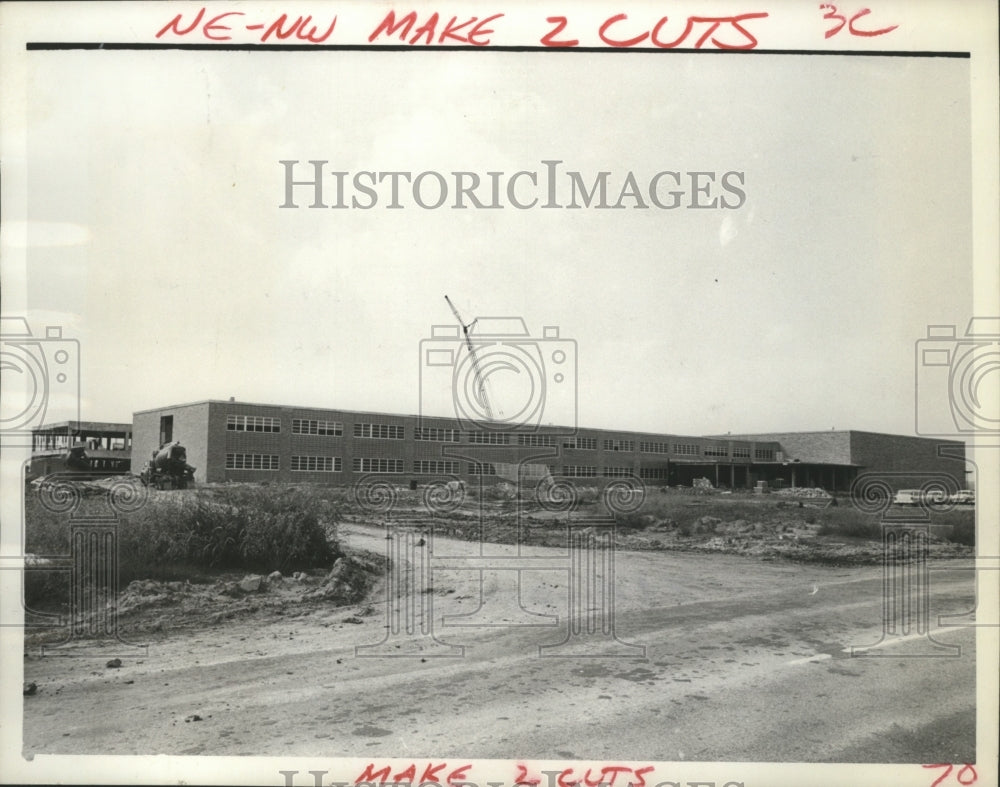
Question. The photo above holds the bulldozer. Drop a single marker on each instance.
(168, 468)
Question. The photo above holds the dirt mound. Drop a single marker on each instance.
(148, 605)
(802, 491)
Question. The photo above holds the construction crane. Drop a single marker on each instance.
(480, 381)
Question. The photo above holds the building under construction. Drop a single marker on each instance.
(91, 446)
(239, 441)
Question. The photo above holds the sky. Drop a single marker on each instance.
(156, 238)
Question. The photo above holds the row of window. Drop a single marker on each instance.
(436, 435)
(616, 472)
(373, 465)
(306, 426)
(435, 467)
(537, 439)
(379, 431)
(316, 464)
(589, 471)
(333, 464)
(252, 462)
(259, 423)
(581, 443)
(313, 464)
(252, 423)
(488, 438)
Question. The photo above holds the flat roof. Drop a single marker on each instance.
(752, 435)
(741, 437)
(85, 426)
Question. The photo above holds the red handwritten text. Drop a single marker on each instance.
(215, 29)
(471, 31)
(549, 39)
(724, 32)
(833, 14)
(590, 777)
(966, 775)
(431, 773)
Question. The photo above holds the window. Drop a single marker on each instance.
(252, 423)
(166, 429)
(316, 464)
(619, 445)
(435, 434)
(435, 467)
(741, 453)
(581, 443)
(537, 439)
(325, 428)
(653, 473)
(379, 432)
(482, 468)
(489, 438)
(654, 448)
(252, 462)
(579, 471)
(716, 450)
(767, 454)
(686, 449)
(373, 465)
(616, 472)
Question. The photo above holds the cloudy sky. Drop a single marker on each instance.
(156, 238)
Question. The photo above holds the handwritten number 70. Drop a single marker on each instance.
(833, 13)
(966, 774)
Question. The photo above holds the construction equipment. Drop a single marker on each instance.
(480, 381)
(77, 459)
(168, 468)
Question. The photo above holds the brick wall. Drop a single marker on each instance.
(190, 428)
(897, 455)
(210, 441)
(816, 447)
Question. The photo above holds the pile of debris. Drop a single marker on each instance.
(156, 605)
(702, 486)
(803, 491)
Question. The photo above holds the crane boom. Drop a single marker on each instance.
(480, 380)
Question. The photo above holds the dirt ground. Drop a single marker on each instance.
(720, 649)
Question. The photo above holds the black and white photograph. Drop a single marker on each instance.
(464, 394)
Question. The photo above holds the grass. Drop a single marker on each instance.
(184, 535)
(683, 511)
(963, 531)
(853, 525)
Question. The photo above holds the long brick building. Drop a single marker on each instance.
(240, 441)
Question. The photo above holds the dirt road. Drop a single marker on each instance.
(743, 660)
